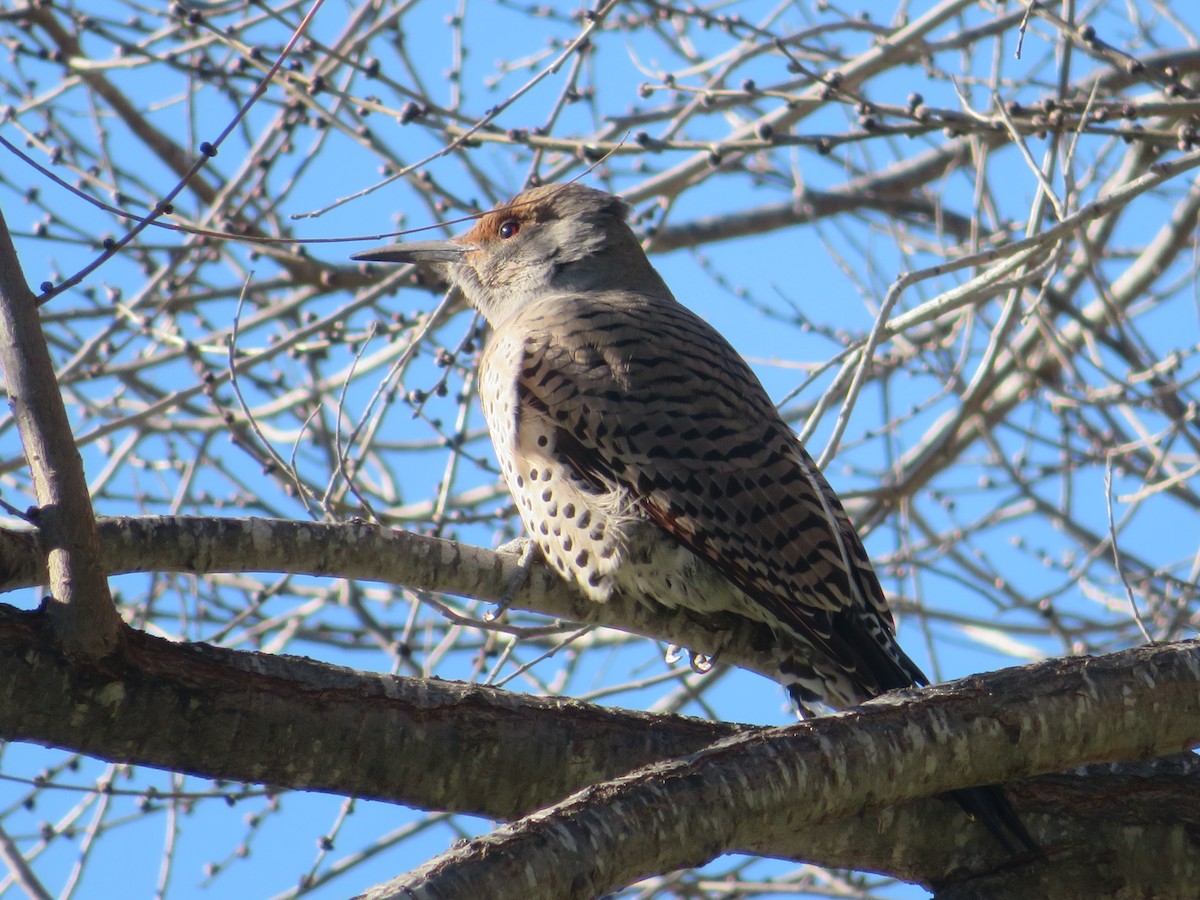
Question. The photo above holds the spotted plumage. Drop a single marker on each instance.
(645, 457)
(673, 444)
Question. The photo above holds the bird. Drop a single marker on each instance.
(645, 457)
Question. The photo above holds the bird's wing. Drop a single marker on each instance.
(644, 393)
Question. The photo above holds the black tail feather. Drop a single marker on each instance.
(989, 807)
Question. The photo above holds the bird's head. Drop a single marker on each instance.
(553, 239)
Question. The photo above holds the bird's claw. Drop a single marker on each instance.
(525, 550)
(701, 663)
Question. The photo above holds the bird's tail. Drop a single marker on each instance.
(989, 806)
(815, 688)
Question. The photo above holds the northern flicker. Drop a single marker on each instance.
(645, 457)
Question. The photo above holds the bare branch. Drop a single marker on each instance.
(1061, 713)
(88, 622)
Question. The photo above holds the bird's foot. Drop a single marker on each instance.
(701, 663)
(525, 550)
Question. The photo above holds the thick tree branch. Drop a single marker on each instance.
(88, 619)
(296, 723)
(1135, 704)
(200, 545)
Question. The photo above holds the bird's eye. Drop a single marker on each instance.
(508, 228)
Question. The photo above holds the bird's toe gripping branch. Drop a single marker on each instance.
(526, 551)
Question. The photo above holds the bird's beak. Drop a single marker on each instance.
(415, 252)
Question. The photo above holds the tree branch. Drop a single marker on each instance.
(296, 723)
(300, 724)
(87, 618)
(1012, 723)
(201, 545)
